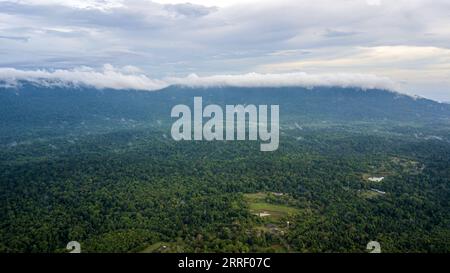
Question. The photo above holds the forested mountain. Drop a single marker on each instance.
(33, 104)
(100, 167)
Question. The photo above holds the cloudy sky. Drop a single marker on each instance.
(401, 43)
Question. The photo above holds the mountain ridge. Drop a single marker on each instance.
(336, 102)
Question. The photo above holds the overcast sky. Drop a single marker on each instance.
(403, 41)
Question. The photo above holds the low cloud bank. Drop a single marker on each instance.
(130, 77)
(127, 77)
(364, 81)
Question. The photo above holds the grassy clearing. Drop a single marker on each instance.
(369, 194)
(258, 204)
(276, 211)
(255, 197)
(393, 166)
(163, 247)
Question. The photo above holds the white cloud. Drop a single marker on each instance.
(108, 77)
(365, 81)
(80, 4)
(217, 3)
(132, 78)
(373, 2)
(379, 56)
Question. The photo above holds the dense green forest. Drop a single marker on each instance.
(100, 168)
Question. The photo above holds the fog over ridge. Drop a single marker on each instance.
(130, 77)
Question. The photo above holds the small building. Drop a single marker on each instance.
(378, 191)
(263, 214)
(376, 179)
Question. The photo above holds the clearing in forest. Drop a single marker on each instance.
(269, 205)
